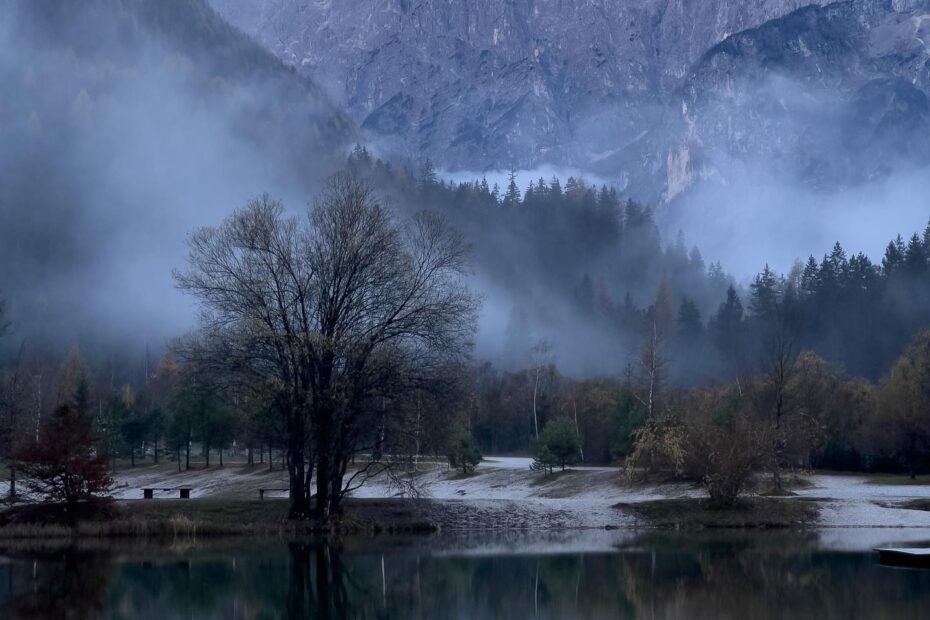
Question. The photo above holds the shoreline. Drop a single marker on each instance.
(196, 521)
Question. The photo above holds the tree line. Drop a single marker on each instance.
(340, 340)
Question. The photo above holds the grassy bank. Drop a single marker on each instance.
(208, 517)
(751, 512)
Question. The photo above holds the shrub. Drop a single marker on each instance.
(723, 443)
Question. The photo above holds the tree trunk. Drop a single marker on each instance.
(187, 462)
(323, 481)
(296, 467)
(155, 453)
(578, 432)
(535, 418)
(221, 457)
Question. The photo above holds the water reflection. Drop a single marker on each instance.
(76, 577)
(724, 575)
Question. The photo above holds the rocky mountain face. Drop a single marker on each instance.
(830, 95)
(653, 94)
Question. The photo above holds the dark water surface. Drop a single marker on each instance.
(571, 575)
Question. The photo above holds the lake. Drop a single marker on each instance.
(593, 574)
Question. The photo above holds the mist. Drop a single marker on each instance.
(760, 219)
(120, 136)
(115, 147)
(782, 168)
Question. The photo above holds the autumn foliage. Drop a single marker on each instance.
(62, 464)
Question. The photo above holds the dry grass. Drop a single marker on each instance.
(750, 512)
(207, 518)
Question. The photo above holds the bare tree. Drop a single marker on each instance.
(652, 361)
(542, 359)
(339, 312)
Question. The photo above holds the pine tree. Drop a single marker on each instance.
(810, 277)
(727, 329)
(915, 257)
(696, 261)
(763, 301)
(558, 445)
(690, 326)
(894, 256)
(427, 177)
(512, 196)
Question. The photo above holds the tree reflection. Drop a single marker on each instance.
(70, 584)
(659, 575)
(317, 582)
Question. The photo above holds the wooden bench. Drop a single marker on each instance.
(149, 493)
(261, 492)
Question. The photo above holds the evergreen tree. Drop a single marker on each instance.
(810, 277)
(690, 327)
(463, 451)
(427, 179)
(763, 301)
(512, 196)
(558, 445)
(894, 256)
(915, 257)
(727, 328)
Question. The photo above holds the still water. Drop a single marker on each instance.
(572, 575)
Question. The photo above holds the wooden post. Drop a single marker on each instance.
(185, 493)
(148, 493)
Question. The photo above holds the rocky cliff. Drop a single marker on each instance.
(654, 94)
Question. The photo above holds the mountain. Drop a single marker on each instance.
(124, 124)
(655, 95)
(831, 95)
